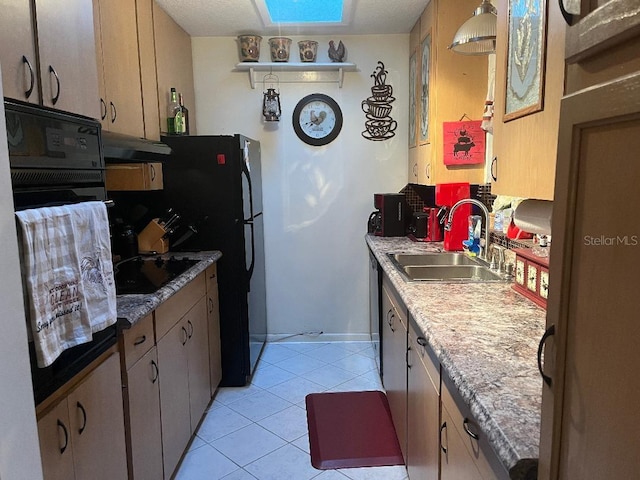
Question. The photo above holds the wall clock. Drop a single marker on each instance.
(317, 119)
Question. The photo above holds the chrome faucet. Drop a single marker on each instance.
(484, 250)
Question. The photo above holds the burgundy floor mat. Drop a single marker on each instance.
(351, 429)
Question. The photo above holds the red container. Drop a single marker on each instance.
(447, 194)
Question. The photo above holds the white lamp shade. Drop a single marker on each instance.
(477, 36)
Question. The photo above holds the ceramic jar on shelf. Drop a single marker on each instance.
(279, 47)
(249, 47)
(308, 50)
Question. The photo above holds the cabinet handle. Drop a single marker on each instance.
(190, 328)
(421, 341)
(212, 276)
(140, 340)
(55, 98)
(427, 170)
(210, 305)
(569, 18)
(29, 90)
(186, 335)
(114, 112)
(551, 331)
(465, 425)
(391, 322)
(103, 109)
(84, 418)
(66, 436)
(388, 321)
(415, 169)
(155, 370)
(153, 171)
(408, 356)
(442, 447)
(494, 169)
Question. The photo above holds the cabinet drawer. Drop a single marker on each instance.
(169, 312)
(401, 310)
(137, 340)
(134, 176)
(463, 422)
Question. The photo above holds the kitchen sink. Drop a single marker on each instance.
(445, 267)
(446, 258)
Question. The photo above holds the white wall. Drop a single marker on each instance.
(19, 450)
(316, 199)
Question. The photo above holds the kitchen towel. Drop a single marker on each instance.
(68, 275)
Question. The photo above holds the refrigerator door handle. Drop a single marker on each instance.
(246, 173)
(253, 254)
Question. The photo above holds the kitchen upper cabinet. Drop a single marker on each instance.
(525, 148)
(66, 48)
(119, 66)
(394, 359)
(148, 78)
(590, 412)
(83, 435)
(423, 406)
(18, 51)
(448, 86)
(174, 65)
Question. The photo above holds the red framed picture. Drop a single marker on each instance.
(463, 142)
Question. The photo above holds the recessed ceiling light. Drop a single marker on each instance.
(304, 12)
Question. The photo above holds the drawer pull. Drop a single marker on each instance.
(421, 341)
(391, 322)
(66, 437)
(465, 425)
(190, 328)
(84, 417)
(186, 335)
(55, 98)
(569, 18)
(103, 109)
(29, 91)
(442, 447)
(551, 331)
(140, 340)
(156, 371)
(210, 305)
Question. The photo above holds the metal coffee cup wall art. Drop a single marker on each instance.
(379, 125)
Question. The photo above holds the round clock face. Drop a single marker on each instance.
(317, 119)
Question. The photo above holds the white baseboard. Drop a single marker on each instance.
(318, 337)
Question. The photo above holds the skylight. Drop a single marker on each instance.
(305, 11)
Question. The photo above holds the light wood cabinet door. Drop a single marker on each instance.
(423, 410)
(134, 176)
(144, 417)
(66, 43)
(394, 364)
(149, 80)
(117, 44)
(198, 352)
(56, 449)
(173, 365)
(455, 461)
(525, 148)
(213, 320)
(174, 65)
(97, 423)
(18, 52)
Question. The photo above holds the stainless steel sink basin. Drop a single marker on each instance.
(445, 267)
(446, 258)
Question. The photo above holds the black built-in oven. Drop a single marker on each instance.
(56, 159)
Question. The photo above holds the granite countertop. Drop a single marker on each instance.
(486, 338)
(132, 308)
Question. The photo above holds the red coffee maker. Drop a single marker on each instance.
(447, 194)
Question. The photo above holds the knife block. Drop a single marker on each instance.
(151, 238)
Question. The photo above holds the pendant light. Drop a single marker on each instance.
(271, 100)
(477, 36)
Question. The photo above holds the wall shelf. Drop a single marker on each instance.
(310, 68)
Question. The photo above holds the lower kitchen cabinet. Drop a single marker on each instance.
(394, 359)
(423, 407)
(83, 436)
(465, 453)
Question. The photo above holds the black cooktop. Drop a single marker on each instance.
(140, 275)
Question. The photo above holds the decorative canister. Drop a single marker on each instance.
(308, 50)
(249, 47)
(280, 47)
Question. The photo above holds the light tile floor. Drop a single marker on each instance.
(260, 431)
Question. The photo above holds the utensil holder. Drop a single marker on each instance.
(151, 238)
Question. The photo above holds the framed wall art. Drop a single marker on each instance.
(425, 62)
(464, 142)
(412, 100)
(526, 51)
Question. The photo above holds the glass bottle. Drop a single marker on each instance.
(185, 116)
(174, 114)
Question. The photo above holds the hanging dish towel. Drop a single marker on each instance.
(66, 261)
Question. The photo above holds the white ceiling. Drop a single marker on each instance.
(206, 18)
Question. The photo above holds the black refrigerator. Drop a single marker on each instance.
(214, 182)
